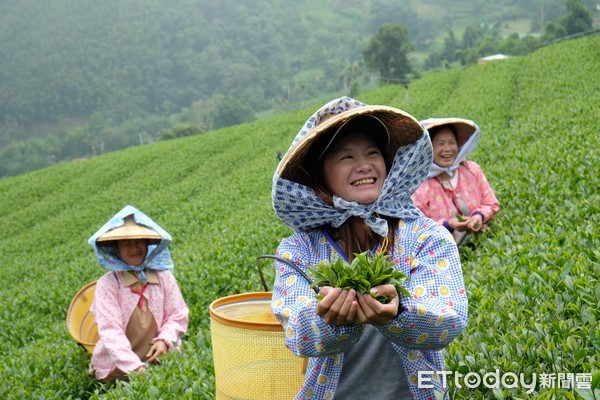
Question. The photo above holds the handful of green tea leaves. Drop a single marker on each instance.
(362, 274)
(461, 219)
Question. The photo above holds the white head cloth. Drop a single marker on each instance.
(463, 151)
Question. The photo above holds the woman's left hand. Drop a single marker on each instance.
(158, 349)
(475, 223)
(371, 311)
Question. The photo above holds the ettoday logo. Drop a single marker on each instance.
(508, 380)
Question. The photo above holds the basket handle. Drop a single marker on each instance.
(283, 260)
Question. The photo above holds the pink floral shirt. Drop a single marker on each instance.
(113, 305)
(441, 203)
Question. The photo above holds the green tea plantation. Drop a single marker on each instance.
(533, 279)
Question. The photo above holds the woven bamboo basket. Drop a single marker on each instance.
(251, 360)
(80, 321)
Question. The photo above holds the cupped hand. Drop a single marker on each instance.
(338, 307)
(457, 225)
(371, 311)
(474, 223)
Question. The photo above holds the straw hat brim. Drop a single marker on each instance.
(402, 128)
(130, 230)
(464, 127)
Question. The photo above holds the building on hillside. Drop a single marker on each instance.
(492, 58)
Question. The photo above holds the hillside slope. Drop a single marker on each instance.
(532, 282)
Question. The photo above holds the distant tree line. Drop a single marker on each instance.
(484, 39)
(87, 77)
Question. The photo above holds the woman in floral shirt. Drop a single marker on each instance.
(456, 193)
(345, 187)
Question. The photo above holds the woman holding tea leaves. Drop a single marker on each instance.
(456, 193)
(137, 305)
(344, 186)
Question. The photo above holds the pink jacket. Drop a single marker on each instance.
(436, 201)
(113, 305)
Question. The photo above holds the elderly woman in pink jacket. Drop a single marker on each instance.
(137, 305)
(456, 193)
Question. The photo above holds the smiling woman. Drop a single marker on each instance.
(354, 168)
(344, 186)
(457, 193)
(133, 251)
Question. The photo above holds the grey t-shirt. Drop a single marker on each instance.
(372, 370)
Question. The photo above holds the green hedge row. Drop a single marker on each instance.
(532, 281)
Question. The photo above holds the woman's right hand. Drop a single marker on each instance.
(458, 225)
(338, 307)
(141, 369)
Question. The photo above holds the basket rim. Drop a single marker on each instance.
(236, 323)
(81, 291)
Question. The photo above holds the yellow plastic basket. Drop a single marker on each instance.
(251, 360)
(80, 321)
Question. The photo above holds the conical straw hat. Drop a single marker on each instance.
(464, 127)
(129, 230)
(399, 127)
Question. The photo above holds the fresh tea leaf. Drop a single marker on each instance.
(364, 273)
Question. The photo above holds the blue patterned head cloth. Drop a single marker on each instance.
(301, 209)
(467, 133)
(158, 256)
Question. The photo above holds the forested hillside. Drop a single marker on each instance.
(81, 78)
(532, 281)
